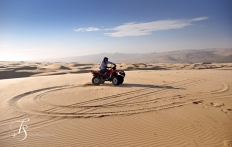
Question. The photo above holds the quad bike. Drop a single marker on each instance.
(116, 76)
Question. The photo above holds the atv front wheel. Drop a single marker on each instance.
(121, 79)
(96, 80)
(115, 80)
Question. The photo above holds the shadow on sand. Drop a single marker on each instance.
(126, 85)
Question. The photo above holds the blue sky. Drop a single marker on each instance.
(33, 29)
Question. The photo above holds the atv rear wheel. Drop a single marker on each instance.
(96, 80)
(102, 81)
(115, 80)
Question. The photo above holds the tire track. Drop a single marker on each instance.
(84, 109)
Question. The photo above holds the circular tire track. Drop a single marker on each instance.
(119, 104)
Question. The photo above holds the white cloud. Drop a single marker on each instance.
(89, 29)
(139, 29)
(199, 18)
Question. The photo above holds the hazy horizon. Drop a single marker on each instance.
(55, 28)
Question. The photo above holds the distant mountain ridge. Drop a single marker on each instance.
(188, 56)
(179, 56)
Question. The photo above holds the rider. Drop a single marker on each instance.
(103, 66)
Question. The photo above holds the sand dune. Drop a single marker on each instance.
(27, 69)
(172, 107)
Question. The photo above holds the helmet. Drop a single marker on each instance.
(105, 58)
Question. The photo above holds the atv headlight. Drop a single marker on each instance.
(122, 73)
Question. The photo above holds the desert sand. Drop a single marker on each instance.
(32, 69)
(157, 105)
